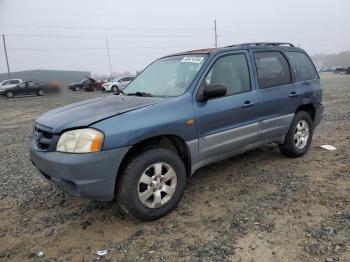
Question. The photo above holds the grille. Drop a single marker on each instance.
(42, 138)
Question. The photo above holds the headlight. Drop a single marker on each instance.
(84, 140)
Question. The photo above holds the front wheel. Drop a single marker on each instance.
(298, 139)
(152, 184)
(9, 94)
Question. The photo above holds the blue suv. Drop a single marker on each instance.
(184, 111)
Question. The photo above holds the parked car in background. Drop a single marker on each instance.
(78, 86)
(25, 88)
(10, 83)
(117, 84)
(181, 113)
(87, 84)
(342, 70)
(92, 85)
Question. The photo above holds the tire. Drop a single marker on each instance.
(40, 92)
(115, 89)
(131, 187)
(297, 142)
(9, 95)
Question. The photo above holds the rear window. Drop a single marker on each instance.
(273, 69)
(302, 66)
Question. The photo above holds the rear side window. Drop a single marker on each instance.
(302, 66)
(233, 72)
(273, 69)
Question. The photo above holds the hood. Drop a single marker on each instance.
(90, 111)
(6, 87)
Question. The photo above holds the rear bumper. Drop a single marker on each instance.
(91, 175)
(319, 109)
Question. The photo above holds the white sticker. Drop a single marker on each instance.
(192, 59)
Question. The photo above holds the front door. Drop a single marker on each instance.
(21, 89)
(227, 125)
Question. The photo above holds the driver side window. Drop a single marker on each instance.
(231, 71)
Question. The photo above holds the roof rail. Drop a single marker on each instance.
(263, 43)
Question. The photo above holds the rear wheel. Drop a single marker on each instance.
(152, 184)
(9, 94)
(298, 139)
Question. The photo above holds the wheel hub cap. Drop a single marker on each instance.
(301, 134)
(157, 185)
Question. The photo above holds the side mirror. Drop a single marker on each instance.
(212, 91)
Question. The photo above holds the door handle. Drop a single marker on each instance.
(294, 94)
(248, 104)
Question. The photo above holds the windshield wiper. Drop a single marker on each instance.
(140, 94)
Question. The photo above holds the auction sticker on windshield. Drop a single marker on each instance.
(192, 59)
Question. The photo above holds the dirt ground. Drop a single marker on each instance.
(259, 206)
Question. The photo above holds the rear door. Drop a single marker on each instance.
(278, 96)
(306, 77)
(32, 88)
(227, 125)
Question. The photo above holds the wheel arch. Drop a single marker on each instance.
(308, 108)
(173, 142)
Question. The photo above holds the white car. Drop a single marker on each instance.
(9, 83)
(117, 84)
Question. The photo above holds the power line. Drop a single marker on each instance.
(107, 28)
(110, 36)
(93, 48)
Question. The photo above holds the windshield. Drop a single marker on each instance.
(169, 76)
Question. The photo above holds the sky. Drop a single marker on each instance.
(71, 34)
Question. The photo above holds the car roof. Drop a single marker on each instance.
(245, 46)
(11, 79)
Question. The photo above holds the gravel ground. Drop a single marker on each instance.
(259, 206)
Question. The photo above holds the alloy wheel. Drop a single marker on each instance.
(157, 185)
(301, 134)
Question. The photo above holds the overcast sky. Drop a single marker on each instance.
(70, 34)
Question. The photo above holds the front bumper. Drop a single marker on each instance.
(92, 175)
(319, 109)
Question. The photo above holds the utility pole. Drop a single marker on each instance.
(109, 57)
(7, 60)
(216, 35)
